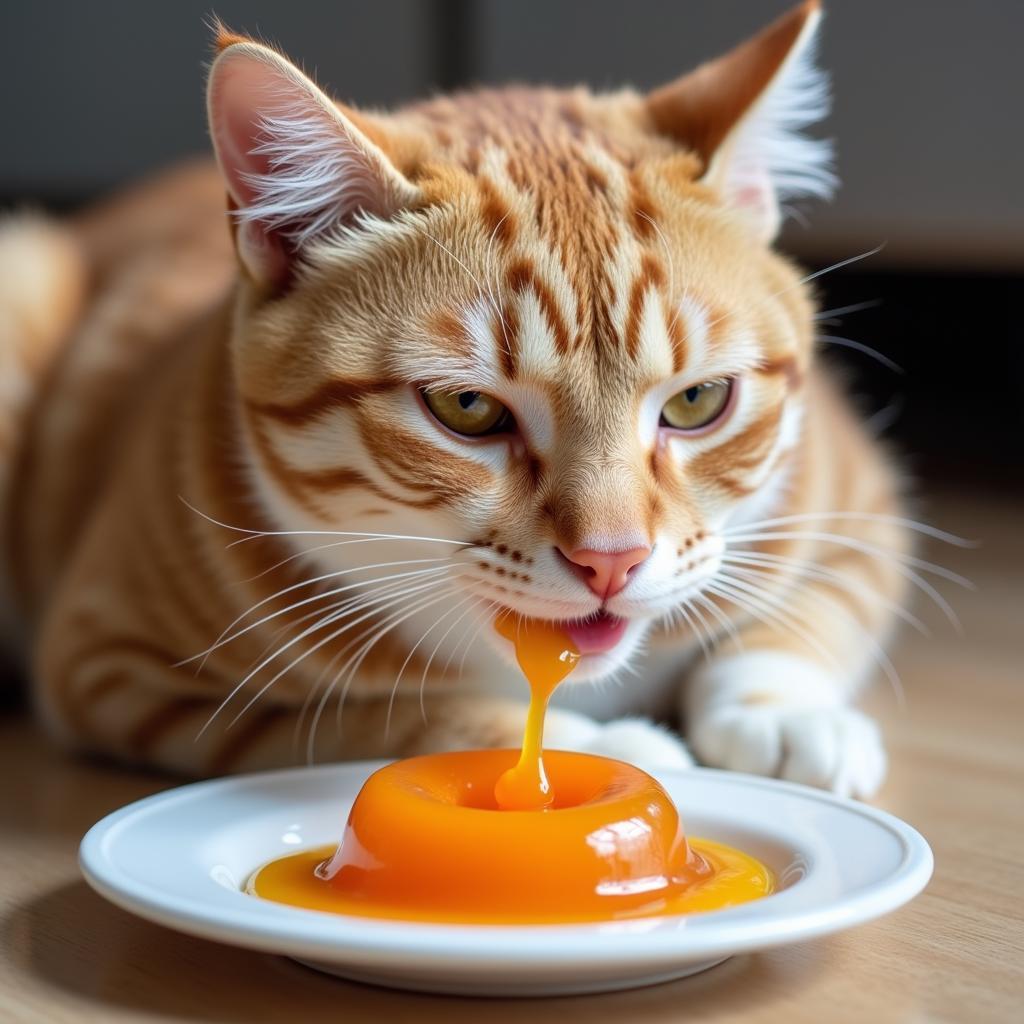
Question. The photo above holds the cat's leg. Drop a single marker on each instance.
(130, 704)
(127, 701)
(777, 702)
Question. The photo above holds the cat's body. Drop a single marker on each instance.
(560, 251)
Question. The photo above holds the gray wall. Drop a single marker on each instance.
(927, 94)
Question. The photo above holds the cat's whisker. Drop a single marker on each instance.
(318, 547)
(698, 615)
(473, 623)
(723, 619)
(870, 517)
(350, 668)
(883, 660)
(484, 620)
(802, 568)
(444, 636)
(895, 560)
(305, 654)
(320, 533)
(807, 278)
(334, 591)
(683, 612)
(376, 604)
(766, 611)
(856, 544)
(855, 307)
(314, 689)
(420, 585)
(859, 346)
(408, 658)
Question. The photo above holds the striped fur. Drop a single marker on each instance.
(563, 251)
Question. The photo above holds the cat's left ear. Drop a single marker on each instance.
(744, 113)
(296, 165)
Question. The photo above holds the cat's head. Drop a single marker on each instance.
(546, 325)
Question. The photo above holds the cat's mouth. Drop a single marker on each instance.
(597, 633)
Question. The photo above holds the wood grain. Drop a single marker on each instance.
(954, 954)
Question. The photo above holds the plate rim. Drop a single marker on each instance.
(310, 933)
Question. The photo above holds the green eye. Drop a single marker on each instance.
(696, 407)
(469, 412)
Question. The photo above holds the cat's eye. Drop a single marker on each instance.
(469, 412)
(696, 407)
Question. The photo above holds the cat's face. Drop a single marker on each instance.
(567, 360)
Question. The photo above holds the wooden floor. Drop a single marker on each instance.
(954, 954)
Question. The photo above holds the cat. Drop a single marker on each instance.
(267, 485)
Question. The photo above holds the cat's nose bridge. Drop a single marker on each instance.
(600, 505)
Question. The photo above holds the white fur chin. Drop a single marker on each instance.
(801, 730)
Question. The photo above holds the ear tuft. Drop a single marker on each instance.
(296, 165)
(770, 139)
(223, 37)
(745, 115)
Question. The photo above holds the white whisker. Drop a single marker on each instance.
(224, 639)
(352, 665)
(869, 517)
(802, 568)
(760, 575)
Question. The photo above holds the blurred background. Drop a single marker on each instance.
(926, 121)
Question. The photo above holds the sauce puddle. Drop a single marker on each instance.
(515, 837)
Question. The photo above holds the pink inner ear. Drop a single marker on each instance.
(234, 113)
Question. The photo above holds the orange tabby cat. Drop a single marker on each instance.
(524, 348)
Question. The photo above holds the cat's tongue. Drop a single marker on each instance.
(596, 634)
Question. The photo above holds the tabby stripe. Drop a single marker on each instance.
(326, 397)
(499, 221)
(651, 274)
(785, 366)
(744, 451)
(521, 276)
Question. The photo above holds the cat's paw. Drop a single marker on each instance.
(634, 740)
(774, 713)
(836, 748)
(640, 742)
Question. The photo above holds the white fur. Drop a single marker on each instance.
(768, 155)
(315, 181)
(804, 734)
(635, 740)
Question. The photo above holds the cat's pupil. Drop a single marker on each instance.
(467, 398)
(692, 393)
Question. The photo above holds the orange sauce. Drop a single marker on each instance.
(546, 656)
(514, 837)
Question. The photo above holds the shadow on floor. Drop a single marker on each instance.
(100, 956)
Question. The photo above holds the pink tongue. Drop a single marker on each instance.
(599, 633)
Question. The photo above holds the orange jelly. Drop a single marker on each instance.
(514, 837)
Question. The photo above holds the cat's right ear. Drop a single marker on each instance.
(296, 165)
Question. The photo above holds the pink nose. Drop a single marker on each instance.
(606, 572)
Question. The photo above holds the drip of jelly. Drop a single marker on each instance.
(546, 655)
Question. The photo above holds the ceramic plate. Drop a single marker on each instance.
(181, 858)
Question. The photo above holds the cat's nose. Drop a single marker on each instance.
(605, 572)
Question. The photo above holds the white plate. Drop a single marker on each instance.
(181, 858)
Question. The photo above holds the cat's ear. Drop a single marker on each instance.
(296, 165)
(744, 115)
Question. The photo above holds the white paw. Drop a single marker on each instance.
(640, 742)
(835, 748)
